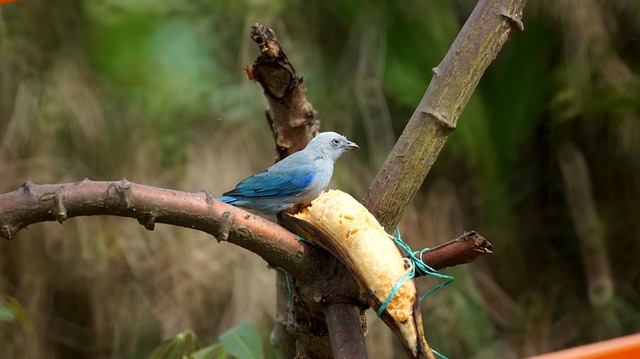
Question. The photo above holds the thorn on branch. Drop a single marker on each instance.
(244, 232)
(61, 211)
(226, 220)
(26, 187)
(208, 195)
(442, 122)
(148, 220)
(514, 21)
(124, 190)
(58, 205)
(7, 232)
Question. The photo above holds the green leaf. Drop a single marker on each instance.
(6, 313)
(11, 311)
(242, 341)
(213, 351)
(176, 347)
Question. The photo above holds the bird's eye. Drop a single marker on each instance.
(335, 142)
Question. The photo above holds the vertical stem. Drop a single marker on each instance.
(577, 184)
(595, 259)
(293, 122)
(284, 342)
(453, 82)
(345, 331)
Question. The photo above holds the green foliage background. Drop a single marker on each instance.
(155, 91)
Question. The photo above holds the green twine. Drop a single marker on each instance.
(289, 294)
(405, 277)
(417, 267)
(286, 274)
(302, 239)
(438, 354)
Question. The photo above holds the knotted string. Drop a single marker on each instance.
(417, 267)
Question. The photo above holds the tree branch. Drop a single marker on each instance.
(291, 117)
(464, 249)
(345, 323)
(323, 283)
(33, 203)
(453, 82)
(293, 124)
(150, 205)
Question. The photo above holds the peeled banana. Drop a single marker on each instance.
(355, 237)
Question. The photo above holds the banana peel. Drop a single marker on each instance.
(344, 227)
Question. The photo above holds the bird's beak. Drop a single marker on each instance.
(352, 146)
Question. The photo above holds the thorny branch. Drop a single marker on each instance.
(318, 275)
(150, 205)
(33, 203)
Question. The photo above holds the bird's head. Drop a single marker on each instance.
(332, 144)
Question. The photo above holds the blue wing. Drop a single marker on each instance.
(273, 184)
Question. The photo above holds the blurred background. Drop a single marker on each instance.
(545, 164)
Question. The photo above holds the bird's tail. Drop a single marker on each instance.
(227, 199)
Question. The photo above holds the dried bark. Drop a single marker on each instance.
(291, 117)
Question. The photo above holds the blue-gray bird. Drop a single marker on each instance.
(296, 180)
